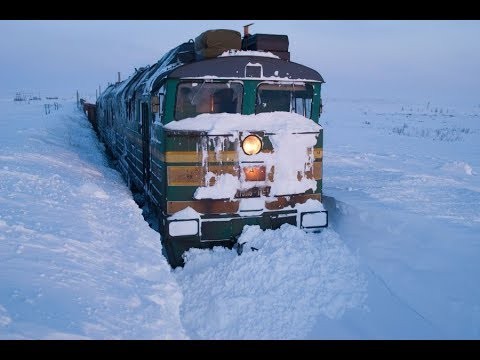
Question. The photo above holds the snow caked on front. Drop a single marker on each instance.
(77, 259)
(292, 136)
(274, 122)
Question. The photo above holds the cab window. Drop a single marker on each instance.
(284, 97)
(200, 97)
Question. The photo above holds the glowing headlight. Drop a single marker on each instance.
(252, 145)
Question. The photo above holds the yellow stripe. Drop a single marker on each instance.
(318, 153)
(195, 175)
(317, 170)
(185, 176)
(222, 156)
(197, 157)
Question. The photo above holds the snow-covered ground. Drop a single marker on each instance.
(399, 260)
(278, 291)
(405, 184)
(77, 259)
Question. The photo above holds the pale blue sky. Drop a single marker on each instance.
(413, 60)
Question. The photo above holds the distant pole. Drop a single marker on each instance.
(77, 98)
(96, 94)
(119, 76)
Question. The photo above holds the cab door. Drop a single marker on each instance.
(145, 130)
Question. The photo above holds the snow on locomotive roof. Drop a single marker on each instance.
(274, 79)
(234, 52)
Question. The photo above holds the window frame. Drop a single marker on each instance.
(293, 104)
(210, 81)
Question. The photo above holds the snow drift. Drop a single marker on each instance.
(77, 259)
(277, 291)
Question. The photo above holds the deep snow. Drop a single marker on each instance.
(408, 203)
(399, 260)
(278, 291)
(77, 259)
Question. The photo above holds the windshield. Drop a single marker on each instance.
(197, 97)
(284, 97)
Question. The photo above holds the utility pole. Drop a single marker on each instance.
(77, 98)
(118, 76)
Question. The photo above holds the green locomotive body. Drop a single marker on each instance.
(181, 169)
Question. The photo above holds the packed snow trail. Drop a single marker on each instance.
(77, 259)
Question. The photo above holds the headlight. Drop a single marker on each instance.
(251, 145)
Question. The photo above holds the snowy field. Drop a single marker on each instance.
(399, 261)
(406, 186)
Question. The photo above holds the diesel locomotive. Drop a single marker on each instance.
(220, 133)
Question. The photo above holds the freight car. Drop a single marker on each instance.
(220, 133)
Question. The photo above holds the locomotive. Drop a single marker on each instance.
(220, 133)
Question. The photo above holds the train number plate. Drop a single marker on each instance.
(253, 192)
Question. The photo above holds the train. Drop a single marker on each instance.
(222, 132)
